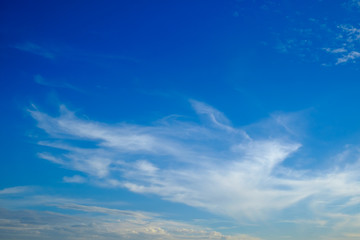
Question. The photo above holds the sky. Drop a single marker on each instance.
(231, 120)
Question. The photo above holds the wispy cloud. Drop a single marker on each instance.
(16, 190)
(216, 117)
(210, 165)
(74, 179)
(320, 38)
(42, 81)
(347, 44)
(35, 49)
(96, 209)
(111, 224)
(68, 218)
(352, 4)
(307, 221)
(348, 57)
(52, 52)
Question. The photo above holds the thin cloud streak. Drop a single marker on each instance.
(211, 165)
(44, 82)
(35, 49)
(16, 190)
(100, 223)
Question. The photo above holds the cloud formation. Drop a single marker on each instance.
(347, 42)
(74, 179)
(15, 190)
(210, 165)
(319, 36)
(92, 222)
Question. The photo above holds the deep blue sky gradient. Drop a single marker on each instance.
(140, 62)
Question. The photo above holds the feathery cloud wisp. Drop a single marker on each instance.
(212, 165)
(16, 190)
(35, 49)
(112, 224)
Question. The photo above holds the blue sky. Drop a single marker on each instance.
(233, 120)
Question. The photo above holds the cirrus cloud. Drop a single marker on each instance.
(210, 165)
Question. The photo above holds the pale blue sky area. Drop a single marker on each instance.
(233, 120)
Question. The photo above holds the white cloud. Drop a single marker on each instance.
(349, 33)
(350, 56)
(74, 179)
(213, 165)
(16, 190)
(216, 117)
(336, 50)
(348, 43)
